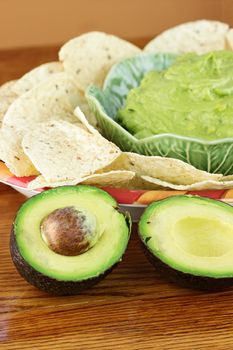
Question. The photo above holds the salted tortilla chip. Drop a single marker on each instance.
(115, 178)
(199, 36)
(53, 99)
(13, 89)
(89, 56)
(6, 89)
(229, 39)
(166, 169)
(227, 178)
(137, 183)
(198, 186)
(12, 154)
(36, 76)
(62, 151)
(7, 96)
(112, 178)
(82, 118)
(85, 115)
(202, 185)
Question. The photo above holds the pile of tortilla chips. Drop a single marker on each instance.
(47, 129)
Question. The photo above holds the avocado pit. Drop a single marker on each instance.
(69, 231)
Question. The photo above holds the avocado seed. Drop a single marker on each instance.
(69, 231)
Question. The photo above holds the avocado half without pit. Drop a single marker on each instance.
(67, 239)
(189, 240)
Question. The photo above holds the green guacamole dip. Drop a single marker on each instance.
(193, 97)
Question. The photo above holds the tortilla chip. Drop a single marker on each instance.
(6, 89)
(227, 178)
(85, 115)
(117, 178)
(89, 56)
(166, 169)
(13, 89)
(62, 151)
(53, 99)
(137, 183)
(198, 186)
(82, 118)
(229, 39)
(112, 178)
(7, 96)
(200, 36)
(12, 154)
(36, 76)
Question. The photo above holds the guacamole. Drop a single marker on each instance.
(193, 97)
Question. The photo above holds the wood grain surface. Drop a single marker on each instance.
(132, 309)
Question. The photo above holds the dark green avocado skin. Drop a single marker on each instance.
(185, 279)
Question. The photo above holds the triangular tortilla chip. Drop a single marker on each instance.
(198, 186)
(229, 39)
(90, 56)
(12, 154)
(82, 118)
(166, 169)
(112, 178)
(36, 76)
(53, 99)
(7, 96)
(198, 36)
(62, 151)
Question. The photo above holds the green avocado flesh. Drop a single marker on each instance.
(108, 250)
(190, 234)
(193, 98)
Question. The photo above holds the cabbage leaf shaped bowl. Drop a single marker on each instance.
(213, 156)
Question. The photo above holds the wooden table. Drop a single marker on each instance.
(132, 309)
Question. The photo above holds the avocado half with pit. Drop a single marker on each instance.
(189, 240)
(67, 239)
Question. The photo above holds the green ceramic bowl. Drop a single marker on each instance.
(213, 156)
